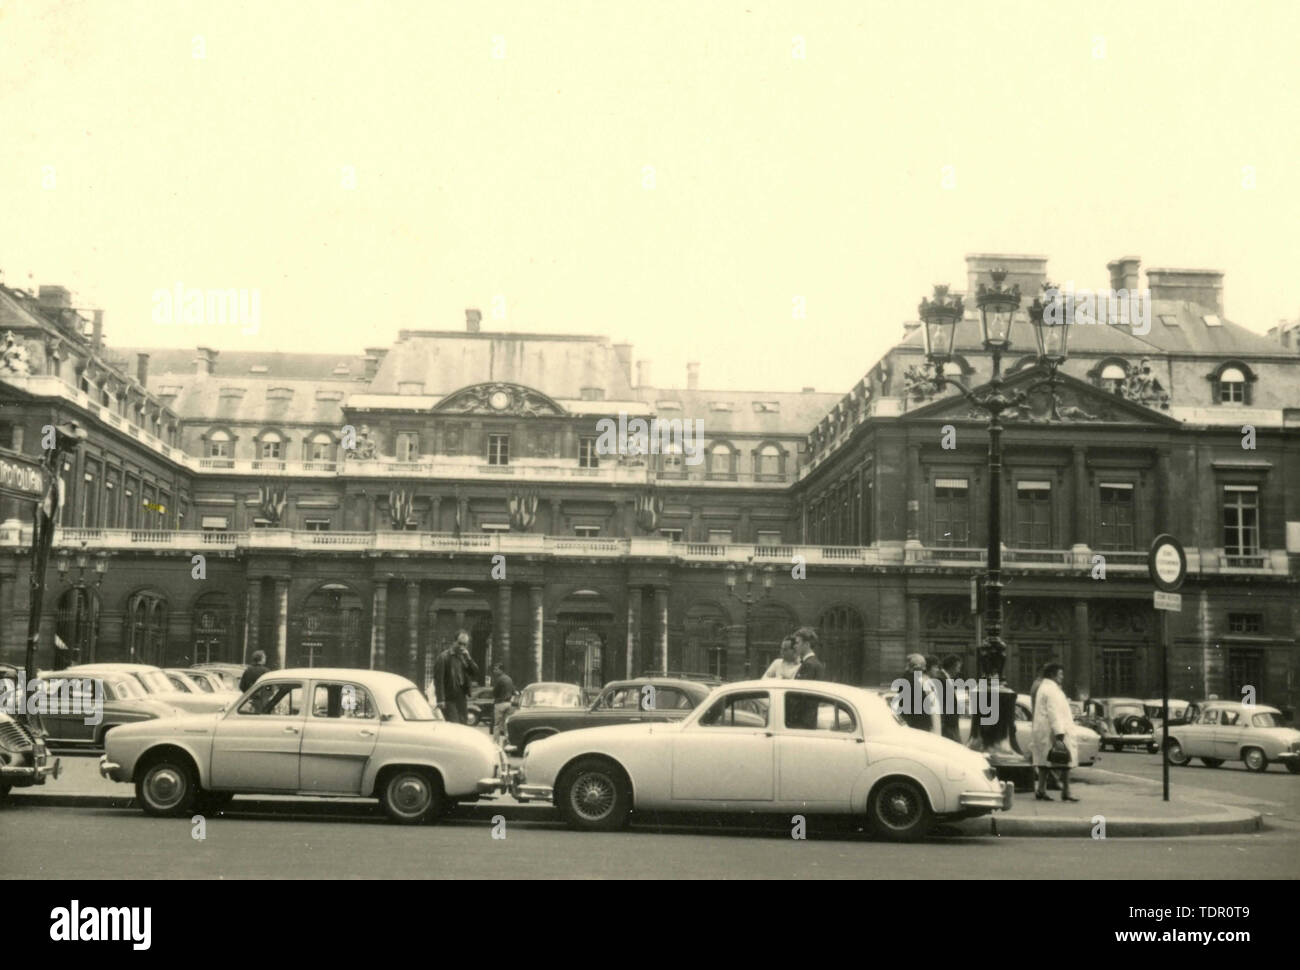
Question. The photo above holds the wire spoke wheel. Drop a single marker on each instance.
(593, 795)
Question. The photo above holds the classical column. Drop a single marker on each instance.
(633, 628)
(435, 514)
(282, 622)
(501, 628)
(661, 629)
(254, 617)
(413, 629)
(379, 626)
(914, 494)
(536, 612)
(1079, 670)
(1080, 508)
(914, 624)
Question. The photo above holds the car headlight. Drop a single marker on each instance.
(991, 773)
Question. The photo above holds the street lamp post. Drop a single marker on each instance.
(940, 315)
(749, 599)
(84, 615)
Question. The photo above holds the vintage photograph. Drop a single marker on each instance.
(728, 439)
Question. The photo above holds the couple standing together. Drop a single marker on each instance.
(798, 660)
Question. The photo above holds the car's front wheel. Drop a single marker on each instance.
(410, 796)
(1212, 762)
(899, 811)
(1175, 754)
(593, 794)
(1255, 759)
(167, 788)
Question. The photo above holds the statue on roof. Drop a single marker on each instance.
(13, 356)
(1143, 387)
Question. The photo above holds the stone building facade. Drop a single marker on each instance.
(359, 510)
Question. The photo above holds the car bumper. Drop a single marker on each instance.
(1286, 757)
(535, 793)
(111, 770)
(998, 801)
(506, 782)
(24, 775)
(1143, 739)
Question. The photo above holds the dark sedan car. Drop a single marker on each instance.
(621, 702)
(481, 708)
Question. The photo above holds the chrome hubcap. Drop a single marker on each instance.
(593, 796)
(166, 787)
(410, 794)
(899, 807)
(1254, 759)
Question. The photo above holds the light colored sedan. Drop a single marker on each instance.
(155, 683)
(310, 731)
(201, 682)
(1087, 740)
(771, 746)
(1230, 731)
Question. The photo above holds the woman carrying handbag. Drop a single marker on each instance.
(1052, 743)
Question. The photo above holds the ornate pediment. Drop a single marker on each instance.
(498, 397)
(1069, 401)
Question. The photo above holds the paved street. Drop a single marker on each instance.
(99, 843)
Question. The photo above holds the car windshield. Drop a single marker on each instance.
(156, 682)
(1265, 719)
(414, 706)
(1119, 710)
(552, 695)
(199, 681)
(181, 684)
(125, 688)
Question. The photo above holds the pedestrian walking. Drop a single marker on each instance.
(503, 694)
(950, 718)
(786, 665)
(921, 705)
(454, 675)
(1052, 733)
(253, 672)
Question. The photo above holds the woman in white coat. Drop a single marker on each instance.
(1053, 722)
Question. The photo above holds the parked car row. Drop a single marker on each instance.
(1219, 731)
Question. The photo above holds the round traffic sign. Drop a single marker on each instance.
(1167, 563)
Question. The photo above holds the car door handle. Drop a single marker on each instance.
(290, 730)
(366, 733)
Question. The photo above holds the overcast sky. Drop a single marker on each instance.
(670, 173)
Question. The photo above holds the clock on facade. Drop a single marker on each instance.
(499, 400)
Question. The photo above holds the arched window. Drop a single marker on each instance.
(1112, 378)
(146, 618)
(1232, 386)
(720, 460)
(270, 446)
(769, 461)
(320, 447)
(219, 444)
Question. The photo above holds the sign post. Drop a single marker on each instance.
(1167, 565)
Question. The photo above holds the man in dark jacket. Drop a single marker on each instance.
(253, 671)
(503, 695)
(801, 712)
(454, 674)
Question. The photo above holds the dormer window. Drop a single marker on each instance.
(270, 446)
(219, 444)
(1232, 386)
(1112, 378)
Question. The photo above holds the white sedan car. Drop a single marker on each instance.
(155, 684)
(313, 731)
(777, 746)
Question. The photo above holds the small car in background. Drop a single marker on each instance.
(1121, 722)
(550, 694)
(1232, 731)
(124, 701)
(229, 673)
(200, 682)
(482, 708)
(1154, 709)
(309, 731)
(156, 685)
(620, 702)
(766, 746)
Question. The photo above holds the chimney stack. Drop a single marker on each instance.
(643, 373)
(97, 340)
(206, 362)
(1124, 273)
(473, 319)
(1202, 287)
(1029, 271)
(693, 376)
(54, 297)
(141, 367)
(624, 354)
(374, 357)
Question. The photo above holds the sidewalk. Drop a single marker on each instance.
(1131, 807)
